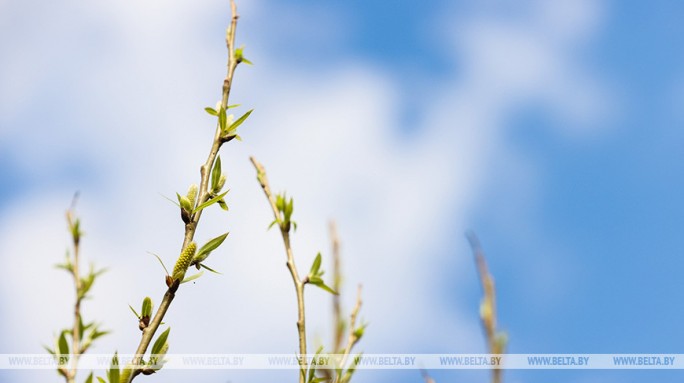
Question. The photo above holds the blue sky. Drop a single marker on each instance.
(551, 129)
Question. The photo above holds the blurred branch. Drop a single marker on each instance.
(338, 322)
(496, 340)
(354, 336)
(284, 226)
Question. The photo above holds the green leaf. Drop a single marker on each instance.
(134, 312)
(223, 204)
(89, 379)
(216, 174)
(49, 350)
(209, 268)
(358, 332)
(184, 202)
(62, 343)
(101, 380)
(280, 202)
(272, 223)
(159, 343)
(81, 327)
(114, 371)
(232, 106)
(316, 265)
(211, 111)
(210, 202)
(312, 368)
(97, 333)
(324, 287)
(147, 307)
(160, 261)
(289, 208)
(222, 119)
(208, 247)
(172, 201)
(192, 277)
(244, 60)
(239, 121)
(65, 266)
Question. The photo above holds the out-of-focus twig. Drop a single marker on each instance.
(496, 340)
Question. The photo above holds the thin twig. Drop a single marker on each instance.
(352, 338)
(204, 195)
(298, 283)
(70, 373)
(338, 330)
(488, 306)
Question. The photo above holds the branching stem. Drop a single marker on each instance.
(298, 283)
(203, 196)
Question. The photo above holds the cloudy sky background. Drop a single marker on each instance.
(551, 129)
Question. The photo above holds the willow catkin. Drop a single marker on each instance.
(183, 261)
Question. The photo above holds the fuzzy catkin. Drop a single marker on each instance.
(183, 261)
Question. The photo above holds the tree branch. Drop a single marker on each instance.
(298, 283)
(203, 196)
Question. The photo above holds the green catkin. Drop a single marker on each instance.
(192, 194)
(183, 261)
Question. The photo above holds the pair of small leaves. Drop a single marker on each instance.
(88, 338)
(87, 281)
(315, 274)
(239, 56)
(204, 251)
(75, 228)
(285, 207)
(228, 128)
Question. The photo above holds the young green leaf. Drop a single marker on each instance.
(147, 307)
(209, 268)
(89, 379)
(62, 344)
(222, 119)
(172, 201)
(210, 202)
(184, 202)
(159, 343)
(192, 277)
(101, 380)
(49, 350)
(114, 371)
(134, 312)
(316, 265)
(239, 121)
(312, 367)
(160, 261)
(216, 174)
(325, 287)
(208, 247)
(211, 111)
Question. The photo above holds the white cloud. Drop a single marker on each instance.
(133, 107)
